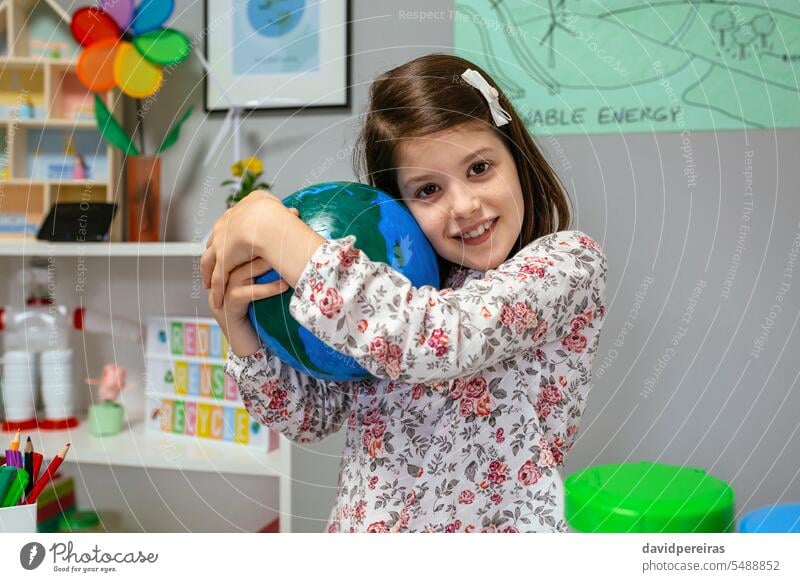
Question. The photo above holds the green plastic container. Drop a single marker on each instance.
(649, 498)
(105, 419)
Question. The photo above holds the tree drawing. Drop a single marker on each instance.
(763, 25)
(723, 21)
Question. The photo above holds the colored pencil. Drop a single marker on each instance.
(13, 458)
(29, 464)
(47, 475)
(16, 490)
(15, 442)
(7, 476)
(37, 464)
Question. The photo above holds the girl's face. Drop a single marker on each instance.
(462, 187)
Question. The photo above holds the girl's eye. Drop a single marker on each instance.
(426, 190)
(484, 165)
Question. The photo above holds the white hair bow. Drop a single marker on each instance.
(474, 78)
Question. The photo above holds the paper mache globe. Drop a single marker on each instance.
(385, 231)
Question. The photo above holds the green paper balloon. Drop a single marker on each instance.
(164, 46)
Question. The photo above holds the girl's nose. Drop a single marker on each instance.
(464, 202)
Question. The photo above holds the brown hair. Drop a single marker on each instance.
(428, 95)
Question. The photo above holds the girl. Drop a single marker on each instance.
(479, 387)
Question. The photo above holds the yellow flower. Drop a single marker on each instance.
(251, 164)
(254, 165)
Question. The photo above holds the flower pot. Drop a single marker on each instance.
(143, 197)
(105, 419)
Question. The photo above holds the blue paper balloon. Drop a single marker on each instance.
(151, 15)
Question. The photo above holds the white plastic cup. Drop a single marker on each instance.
(58, 389)
(19, 386)
(17, 356)
(57, 359)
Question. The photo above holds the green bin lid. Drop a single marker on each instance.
(77, 521)
(648, 497)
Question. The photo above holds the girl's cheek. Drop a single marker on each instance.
(428, 225)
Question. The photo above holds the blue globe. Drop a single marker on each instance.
(385, 231)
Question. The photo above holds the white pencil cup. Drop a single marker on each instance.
(18, 519)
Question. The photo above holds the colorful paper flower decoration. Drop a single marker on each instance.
(125, 46)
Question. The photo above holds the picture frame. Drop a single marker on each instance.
(288, 54)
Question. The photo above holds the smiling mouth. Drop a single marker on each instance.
(483, 237)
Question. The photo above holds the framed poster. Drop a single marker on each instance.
(277, 54)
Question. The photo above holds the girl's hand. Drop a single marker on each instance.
(241, 291)
(236, 239)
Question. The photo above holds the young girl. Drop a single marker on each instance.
(479, 387)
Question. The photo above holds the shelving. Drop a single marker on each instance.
(34, 248)
(51, 122)
(47, 122)
(136, 447)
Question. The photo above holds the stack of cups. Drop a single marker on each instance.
(19, 386)
(57, 387)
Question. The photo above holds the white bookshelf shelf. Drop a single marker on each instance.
(51, 123)
(137, 447)
(38, 61)
(36, 182)
(36, 248)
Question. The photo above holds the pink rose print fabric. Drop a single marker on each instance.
(477, 394)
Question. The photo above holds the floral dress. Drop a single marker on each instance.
(478, 388)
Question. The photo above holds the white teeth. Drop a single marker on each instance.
(478, 231)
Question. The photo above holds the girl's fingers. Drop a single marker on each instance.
(294, 211)
(254, 292)
(210, 239)
(247, 271)
(207, 263)
(218, 284)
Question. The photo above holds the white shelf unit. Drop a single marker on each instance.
(135, 447)
(48, 83)
(138, 448)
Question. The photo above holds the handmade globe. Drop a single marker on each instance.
(385, 231)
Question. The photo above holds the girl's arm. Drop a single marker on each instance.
(550, 290)
(242, 338)
(301, 407)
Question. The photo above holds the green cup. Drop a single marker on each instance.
(105, 419)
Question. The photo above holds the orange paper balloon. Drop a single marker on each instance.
(96, 65)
